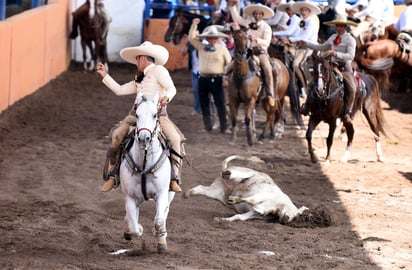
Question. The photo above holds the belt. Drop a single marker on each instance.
(206, 75)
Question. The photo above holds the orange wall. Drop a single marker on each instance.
(33, 50)
(154, 30)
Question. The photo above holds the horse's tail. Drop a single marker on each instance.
(238, 157)
(380, 118)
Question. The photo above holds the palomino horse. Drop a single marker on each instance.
(326, 99)
(379, 56)
(91, 25)
(145, 173)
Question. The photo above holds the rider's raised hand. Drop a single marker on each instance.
(233, 2)
(101, 69)
(196, 21)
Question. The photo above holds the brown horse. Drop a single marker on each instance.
(377, 58)
(326, 99)
(91, 24)
(274, 114)
(244, 85)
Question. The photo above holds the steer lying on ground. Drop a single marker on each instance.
(253, 195)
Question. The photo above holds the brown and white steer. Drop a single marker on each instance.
(252, 194)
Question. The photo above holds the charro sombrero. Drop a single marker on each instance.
(158, 52)
(284, 6)
(314, 10)
(342, 21)
(267, 12)
(211, 31)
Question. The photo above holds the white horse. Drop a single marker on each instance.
(145, 173)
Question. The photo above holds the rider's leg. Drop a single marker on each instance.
(350, 87)
(78, 12)
(267, 69)
(299, 58)
(218, 94)
(175, 141)
(118, 134)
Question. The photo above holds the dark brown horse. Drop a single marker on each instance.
(179, 25)
(91, 25)
(326, 97)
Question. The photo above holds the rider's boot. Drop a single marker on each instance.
(175, 179)
(110, 169)
(351, 92)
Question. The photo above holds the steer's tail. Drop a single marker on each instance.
(230, 158)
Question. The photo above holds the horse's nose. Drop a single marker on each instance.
(144, 139)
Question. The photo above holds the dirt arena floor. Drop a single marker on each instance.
(53, 215)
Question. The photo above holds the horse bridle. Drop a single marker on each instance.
(239, 55)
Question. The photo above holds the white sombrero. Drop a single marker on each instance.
(211, 31)
(314, 10)
(342, 21)
(284, 6)
(267, 12)
(158, 52)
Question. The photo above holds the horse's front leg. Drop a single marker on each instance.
(84, 50)
(311, 126)
(329, 139)
(233, 108)
(159, 230)
(248, 119)
(350, 131)
(132, 226)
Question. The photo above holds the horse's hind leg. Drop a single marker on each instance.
(133, 228)
(373, 121)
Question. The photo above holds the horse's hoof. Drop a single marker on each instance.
(260, 142)
(161, 248)
(162, 245)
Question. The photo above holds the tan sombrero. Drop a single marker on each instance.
(314, 10)
(158, 52)
(267, 12)
(284, 6)
(211, 31)
(342, 21)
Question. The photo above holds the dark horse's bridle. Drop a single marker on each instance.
(323, 79)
